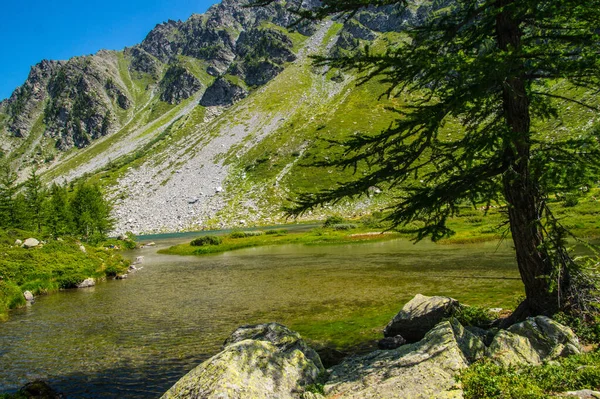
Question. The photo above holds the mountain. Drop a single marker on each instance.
(208, 122)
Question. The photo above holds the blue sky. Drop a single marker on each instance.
(33, 30)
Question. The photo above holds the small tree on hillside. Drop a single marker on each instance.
(487, 64)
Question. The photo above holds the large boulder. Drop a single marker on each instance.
(533, 341)
(425, 369)
(265, 361)
(419, 316)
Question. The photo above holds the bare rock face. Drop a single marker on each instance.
(223, 92)
(265, 361)
(425, 369)
(178, 84)
(419, 316)
(24, 103)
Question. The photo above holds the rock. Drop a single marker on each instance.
(28, 296)
(425, 369)
(18, 243)
(39, 390)
(178, 84)
(121, 276)
(264, 361)
(223, 92)
(391, 342)
(30, 243)
(581, 394)
(486, 336)
(82, 249)
(151, 244)
(88, 282)
(420, 315)
(533, 341)
(138, 260)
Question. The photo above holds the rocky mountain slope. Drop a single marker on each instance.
(208, 122)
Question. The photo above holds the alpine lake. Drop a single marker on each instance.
(136, 337)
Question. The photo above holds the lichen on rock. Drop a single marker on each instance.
(265, 361)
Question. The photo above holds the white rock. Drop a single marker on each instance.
(88, 282)
(30, 243)
(28, 296)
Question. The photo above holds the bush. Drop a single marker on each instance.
(486, 380)
(344, 226)
(205, 240)
(333, 220)
(586, 330)
(278, 232)
(474, 316)
(237, 234)
(244, 234)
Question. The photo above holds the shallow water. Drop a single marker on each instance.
(134, 338)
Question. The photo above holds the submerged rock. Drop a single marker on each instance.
(425, 369)
(419, 316)
(39, 390)
(264, 361)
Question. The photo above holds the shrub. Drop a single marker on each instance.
(244, 234)
(205, 240)
(333, 220)
(278, 232)
(586, 330)
(486, 380)
(237, 234)
(344, 226)
(474, 316)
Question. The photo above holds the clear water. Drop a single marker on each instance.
(134, 338)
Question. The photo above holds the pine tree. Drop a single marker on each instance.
(8, 189)
(58, 218)
(34, 197)
(489, 65)
(90, 212)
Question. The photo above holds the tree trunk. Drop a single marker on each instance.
(521, 193)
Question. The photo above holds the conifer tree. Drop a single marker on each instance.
(488, 65)
(34, 197)
(58, 218)
(90, 212)
(8, 189)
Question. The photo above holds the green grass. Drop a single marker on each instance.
(317, 236)
(56, 265)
